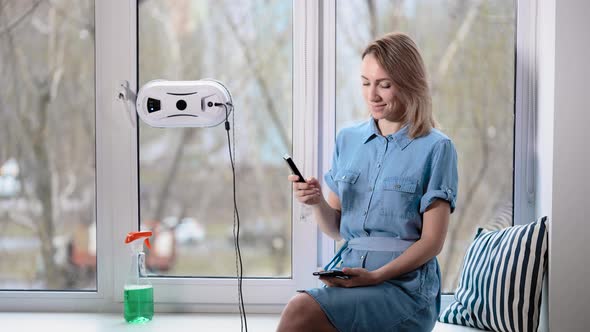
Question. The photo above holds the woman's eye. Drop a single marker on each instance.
(365, 84)
(385, 86)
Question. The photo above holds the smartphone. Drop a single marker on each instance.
(332, 274)
(293, 168)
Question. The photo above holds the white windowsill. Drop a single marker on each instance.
(92, 322)
(107, 322)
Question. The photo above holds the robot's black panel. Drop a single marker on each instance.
(153, 105)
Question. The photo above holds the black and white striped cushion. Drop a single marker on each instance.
(501, 280)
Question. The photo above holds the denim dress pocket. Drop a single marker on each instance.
(400, 197)
(346, 180)
(347, 176)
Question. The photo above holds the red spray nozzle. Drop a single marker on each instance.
(132, 236)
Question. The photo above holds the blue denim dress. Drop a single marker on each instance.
(385, 184)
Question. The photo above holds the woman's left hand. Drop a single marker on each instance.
(358, 277)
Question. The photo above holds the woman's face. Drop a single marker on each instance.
(378, 91)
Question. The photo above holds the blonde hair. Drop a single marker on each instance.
(398, 55)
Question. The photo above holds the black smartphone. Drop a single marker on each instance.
(332, 274)
(293, 168)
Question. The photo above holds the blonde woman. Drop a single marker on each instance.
(391, 188)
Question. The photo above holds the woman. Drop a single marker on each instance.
(392, 187)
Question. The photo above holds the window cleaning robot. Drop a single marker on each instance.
(173, 104)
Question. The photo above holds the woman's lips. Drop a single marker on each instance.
(378, 107)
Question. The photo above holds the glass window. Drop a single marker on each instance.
(185, 174)
(469, 48)
(47, 145)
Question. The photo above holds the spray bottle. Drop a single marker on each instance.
(138, 293)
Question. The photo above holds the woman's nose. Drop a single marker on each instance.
(373, 96)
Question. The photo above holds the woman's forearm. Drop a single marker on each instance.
(415, 256)
(328, 219)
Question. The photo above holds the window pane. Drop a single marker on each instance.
(468, 47)
(47, 145)
(185, 174)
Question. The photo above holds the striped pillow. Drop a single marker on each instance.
(501, 280)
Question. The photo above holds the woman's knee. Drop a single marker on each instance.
(301, 305)
(303, 313)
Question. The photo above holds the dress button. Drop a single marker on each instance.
(397, 186)
(365, 213)
(362, 257)
(343, 177)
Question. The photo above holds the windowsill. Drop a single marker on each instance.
(108, 322)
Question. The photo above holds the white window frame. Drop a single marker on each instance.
(313, 142)
(525, 115)
(117, 183)
(524, 112)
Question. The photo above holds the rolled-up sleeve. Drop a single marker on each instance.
(443, 180)
(330, 175)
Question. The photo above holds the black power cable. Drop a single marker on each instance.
(236, 224)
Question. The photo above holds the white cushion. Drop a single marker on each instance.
(442, 327)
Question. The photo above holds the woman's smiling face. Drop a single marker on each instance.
(378, 91)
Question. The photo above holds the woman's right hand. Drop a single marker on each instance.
(309, 192)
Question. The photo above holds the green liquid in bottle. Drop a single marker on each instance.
(139, 304)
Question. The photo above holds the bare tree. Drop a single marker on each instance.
(36, 80)
(265, 89)
(34, 123)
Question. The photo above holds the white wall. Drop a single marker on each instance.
(564, 91)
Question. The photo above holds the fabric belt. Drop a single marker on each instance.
(370, 243)
(379, 244)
